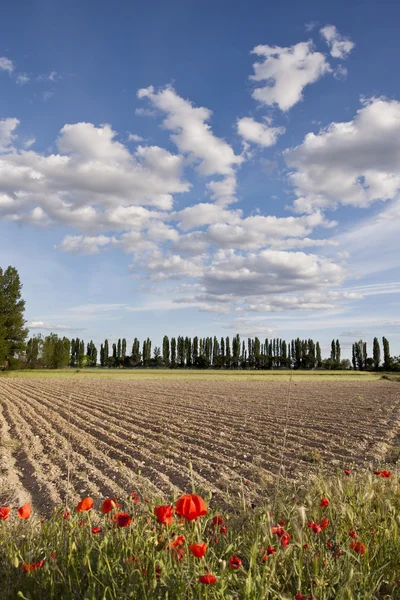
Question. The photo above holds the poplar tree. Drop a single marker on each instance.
(106, 353)
(338, 352)
(135, 356)
(102, 355)
(123, 349)
(387, 361)
(173, 353)
(376, 352)
(165, 350)
(227, 353)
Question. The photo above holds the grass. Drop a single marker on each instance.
(140, 562)
(193, 374)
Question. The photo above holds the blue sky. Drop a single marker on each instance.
(203, 168)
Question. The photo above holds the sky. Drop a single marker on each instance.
(210, 168)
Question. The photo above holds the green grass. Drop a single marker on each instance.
(100, 566)
(193, 374)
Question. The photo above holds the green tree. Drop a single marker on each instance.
(165, 351)
(376, 353)
(123, 350)
(228, 357)
(318, 355)
(136, 357)
(102, 361)
(333, 351)
(34, 352)
(173, 353)
(106, 354)
(387, 361)
(12, 331)
(337, 353)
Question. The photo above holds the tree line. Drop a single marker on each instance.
(55, 352)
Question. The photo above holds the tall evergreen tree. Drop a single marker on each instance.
(376, 353)
(102, 361)
(123, 349)
(222, 352)
(114, 355)
(136, 356)
(337, 353)
(106, 353)
(195, 350)
(119, 350)
(173, 353)
(333, 351)
(353, 356)
(228, 353)
(12, 331)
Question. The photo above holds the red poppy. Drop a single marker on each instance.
(358, 547)
(164, 514)
(306, 547)
(178, 553)
(347, 472)
(85, 504)
(191, 506)
(158, 571)
(352, 533)
(386, 474)
(28, 567)
(25, 511)
(82, 523)
(223, 529)
(198, 550)
(53, 555)
(66, 514)
(278, 531)
(329, 544)
(282, 523)
(109, 505)
(4, 513)
(122, 519)
(178, 541)
(96, 529)
(377, 472)
(130, 559)
(208, 578)
(324, 523)
(285, 540)
(316, 528)
(271, 550)
(235, 562)
(217, 520)
(324, 502)
(302, 597)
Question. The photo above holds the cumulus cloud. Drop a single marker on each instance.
(132, 137)
(353, 163)
(286, 72)
(263, 134)
(79, 244)
(339, 46)
(93, 177)
(43, 325)
(6, 64)
(23, 78)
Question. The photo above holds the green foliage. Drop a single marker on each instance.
(12, 330)
(139, 562)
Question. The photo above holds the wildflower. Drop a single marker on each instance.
(323, 523)
(217, 520)
(372, 532)
(358, 547)
(28, 567)
(208, 578)
(282, 523)
(82, 523)
(158, 571)
(66, 514)
(316, 528)
(306, 547)
(85, 504)
(377, 472)
(285, 540)
(130, 559)
(4, 513)
(109, 505)
(223, 529)
(270, 550)
(53, 555)
(278, 531)
(386, 474)
(352, 533)
(324, 502)
(122, 519)
(235, 562)
(198, 550)
(191, 506)
(25, 511)
(347, 472)
(96, 529)
(164, 514)
(178, 541)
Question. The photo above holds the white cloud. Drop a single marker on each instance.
(28, 143)
(340, 72)
(79, 244)
(47, 326)
(202, 214)
(7, 135)
(354, 163)
(47, 95)
(23, 78)
(132, 137)
(287, 71)
(6, 64)
(259, 133)
(340, 46)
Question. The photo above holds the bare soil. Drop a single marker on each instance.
(61, 439)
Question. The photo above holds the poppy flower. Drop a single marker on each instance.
(324, 502)
(347, 472)
(191, 506)
(4, 513)
(198, 550)
(352, 533)
(122, 519)
(282, 523)
(208, 578)
(25, 511)
(386, 474)
(109, 505)
(178, 541)
(285, 540)
(223, 529)
(217, 520)
(316, 528)
(271, 550)
(157, 571)
(278, 531)
(178, 553)
(96, 529)
(85, 504)
(164, 514)
(130, 559)
(66, 514)
(306, 547)
(28, 567)
(82, 524)
(377, 472)
(235, 562)
(358, 547)
(323, 523)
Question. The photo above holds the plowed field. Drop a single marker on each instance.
(115, 437)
